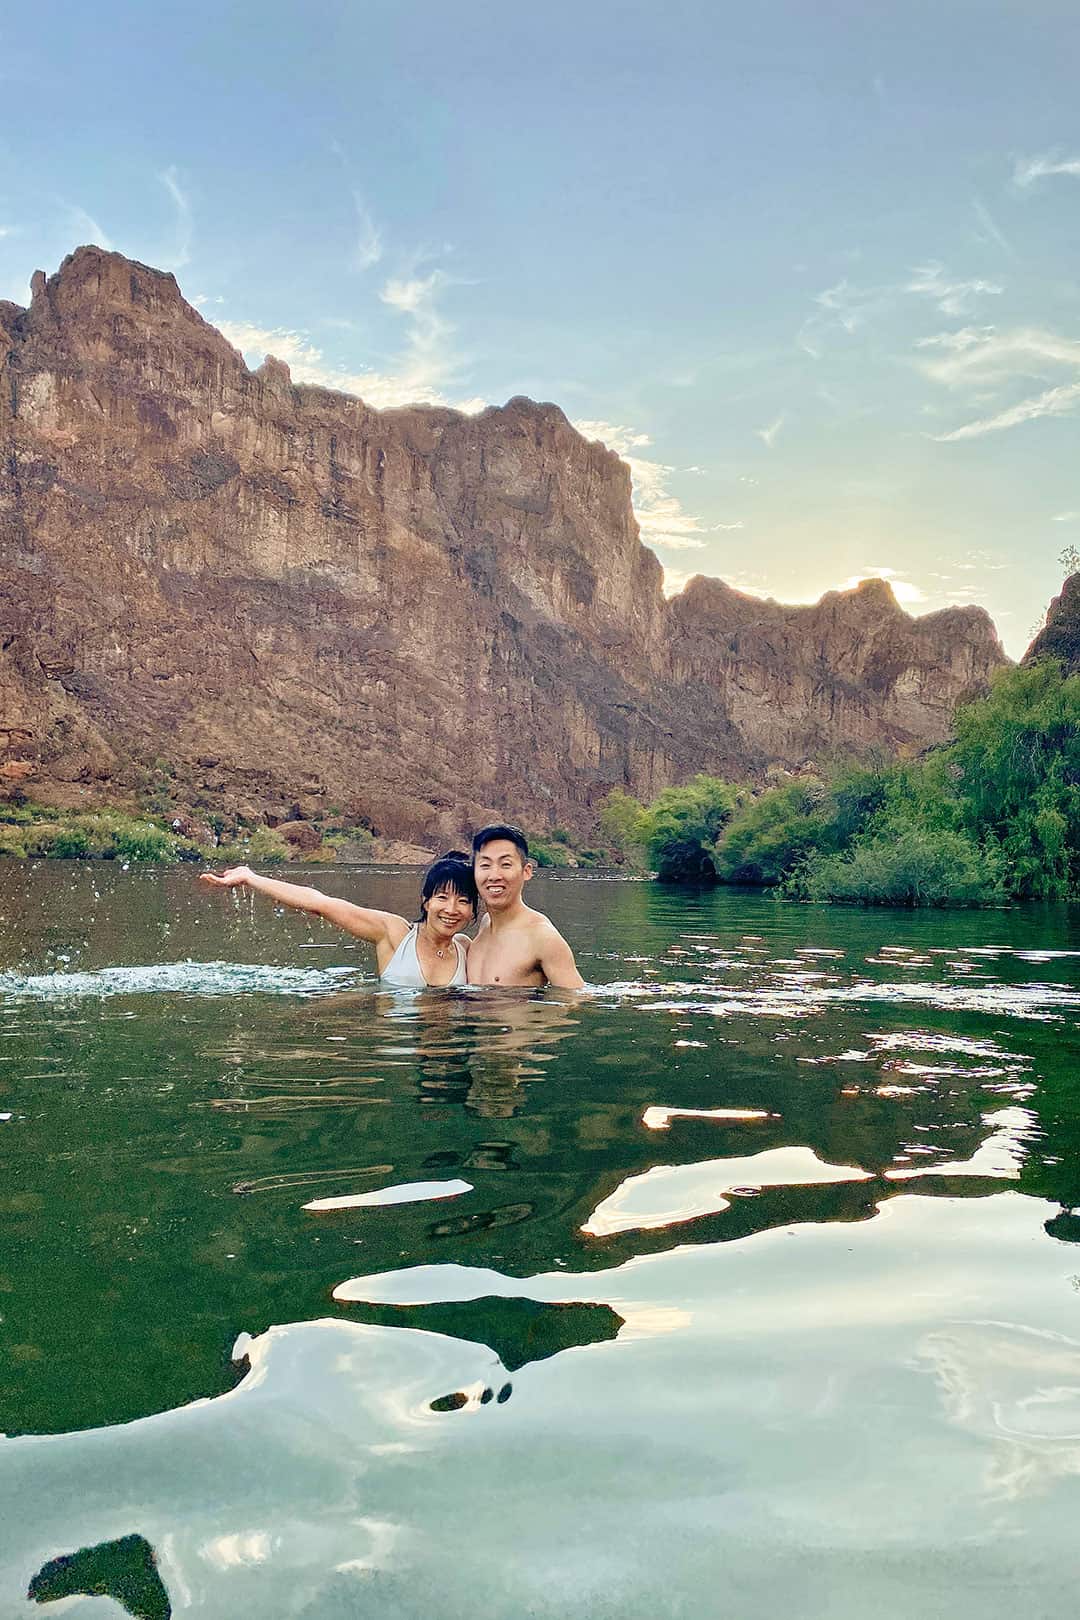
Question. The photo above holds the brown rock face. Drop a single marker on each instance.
(274, 595)
(1060, 635)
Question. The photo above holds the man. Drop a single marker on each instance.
(515, 944)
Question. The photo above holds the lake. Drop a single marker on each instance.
(748, 1284)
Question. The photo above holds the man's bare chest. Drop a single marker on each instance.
(503, 961)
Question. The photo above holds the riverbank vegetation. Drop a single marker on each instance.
(991, 817)
(31, 831)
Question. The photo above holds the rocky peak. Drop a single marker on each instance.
(1060, 635)
(100, 304)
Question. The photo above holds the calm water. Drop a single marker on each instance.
(749, 1285)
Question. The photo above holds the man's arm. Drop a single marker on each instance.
(358, 920)
(557, 962)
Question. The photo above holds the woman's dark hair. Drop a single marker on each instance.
(451, 871)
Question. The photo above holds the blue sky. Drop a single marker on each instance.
(813, 269)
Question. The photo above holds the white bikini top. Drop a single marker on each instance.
(404, 970)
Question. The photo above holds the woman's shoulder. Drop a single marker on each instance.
(462, 941)
(397, 929)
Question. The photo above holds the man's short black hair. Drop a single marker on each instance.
(501, 829)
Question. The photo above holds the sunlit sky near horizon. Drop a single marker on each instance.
(812, 269)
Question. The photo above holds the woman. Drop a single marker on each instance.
(430, 951)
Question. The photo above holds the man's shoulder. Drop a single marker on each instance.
(541, 924)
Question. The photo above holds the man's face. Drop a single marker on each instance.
(501, 874)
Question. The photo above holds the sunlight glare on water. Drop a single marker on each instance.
(747, 1282)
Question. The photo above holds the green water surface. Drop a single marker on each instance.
(745, 1284)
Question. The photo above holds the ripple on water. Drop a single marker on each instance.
(999, 1156)
(176, 978)
(806, 998)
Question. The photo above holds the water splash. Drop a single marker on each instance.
(177, 978)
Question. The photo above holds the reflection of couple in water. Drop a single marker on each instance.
(514, 945)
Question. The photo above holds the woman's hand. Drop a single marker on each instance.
(234, 878)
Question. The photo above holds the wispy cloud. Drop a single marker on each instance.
(661, 516)
(428, 366)
(623, 440)
(991, 230)
(1058, 401)
(1065, 517)
(412, 294)
(181, 254)
(952, 297)
(369, 246)
(841, 308)
(429, 357)
(767, 435)
(845, 308)
(987, 362)
(86, 229)
(984, 354)
(966, 338)
(1028, 170)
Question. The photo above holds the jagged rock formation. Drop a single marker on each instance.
(1060, 635)
(274, 596)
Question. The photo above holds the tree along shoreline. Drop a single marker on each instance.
(992, 817)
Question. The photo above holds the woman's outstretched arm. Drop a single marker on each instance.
(373, 926)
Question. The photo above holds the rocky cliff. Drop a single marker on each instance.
(1060, 635)
(257, 595)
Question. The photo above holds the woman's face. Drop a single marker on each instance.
(448, 911)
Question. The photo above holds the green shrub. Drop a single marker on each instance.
(134, 840)
(921, 866)
(71, 843)
(18, 815)
(682, 826)
(623, 825)
(770, 835)
(12, 843)
(546, 852)
(1017, 763)
(266, 847)
(356, 840)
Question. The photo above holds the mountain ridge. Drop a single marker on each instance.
(421, 616)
